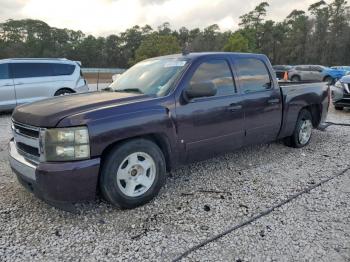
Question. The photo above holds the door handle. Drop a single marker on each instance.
(234, 107)
(8, 84)
(273, 101)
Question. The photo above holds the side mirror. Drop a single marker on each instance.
(197, 90)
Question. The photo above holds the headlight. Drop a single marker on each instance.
(338, 84)
(66, 144)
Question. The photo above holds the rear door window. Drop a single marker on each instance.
(316, 68)
(4, 71)
(253, 75)
(63, 69)
(24, 70)
(303, 68)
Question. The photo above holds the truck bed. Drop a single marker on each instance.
(297, 95)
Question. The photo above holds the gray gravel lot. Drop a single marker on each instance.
(198, 202)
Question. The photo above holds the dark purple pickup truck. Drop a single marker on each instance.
(159, 114)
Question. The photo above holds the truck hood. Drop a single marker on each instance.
(48, 112)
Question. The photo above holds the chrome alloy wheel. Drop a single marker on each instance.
(305, 131)
(136, 174)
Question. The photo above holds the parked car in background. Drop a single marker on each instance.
(159, 114)
(115, 77)
(341, 93)
(28, 80)
(315, 73)
(346, 69)
(281, 70)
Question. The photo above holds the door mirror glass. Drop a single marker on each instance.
(204, 89)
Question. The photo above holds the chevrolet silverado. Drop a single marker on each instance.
(161, 113)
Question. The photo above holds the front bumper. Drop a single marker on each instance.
(340, 97)
(57, 182)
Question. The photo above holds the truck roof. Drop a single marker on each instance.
(205, 54)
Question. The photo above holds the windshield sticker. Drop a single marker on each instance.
(175, 64)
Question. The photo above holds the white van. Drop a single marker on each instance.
(28, 80)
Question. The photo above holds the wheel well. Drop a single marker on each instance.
(296, 75)
(315, 111)
(65, 88)
(159, 139)
(327, 76)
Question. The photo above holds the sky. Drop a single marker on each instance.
(104, 17)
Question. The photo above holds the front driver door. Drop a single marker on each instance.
(211, 125)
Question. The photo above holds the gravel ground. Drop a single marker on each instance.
(198, 202)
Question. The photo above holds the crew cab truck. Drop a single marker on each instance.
(161, 113)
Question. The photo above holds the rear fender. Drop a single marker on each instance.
(296, 100)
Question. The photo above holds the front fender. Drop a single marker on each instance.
(105, 132)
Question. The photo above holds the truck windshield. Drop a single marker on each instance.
(150, 77)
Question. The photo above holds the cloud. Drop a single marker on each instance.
(102, 17)
(10, 7)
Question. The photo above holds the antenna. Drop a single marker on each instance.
(186, 49)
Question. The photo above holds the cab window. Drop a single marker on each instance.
(253, 75)
(217, 72)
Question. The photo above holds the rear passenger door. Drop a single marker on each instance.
(307, 73)
(316, 73)
(33, 81)
(7, 90)
(262, 101)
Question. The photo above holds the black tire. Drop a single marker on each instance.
(293, 140)
(295, 79)
(108, 179)
(338, 107)
(329, 80)
(63, 91)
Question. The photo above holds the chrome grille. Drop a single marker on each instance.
(27, 141)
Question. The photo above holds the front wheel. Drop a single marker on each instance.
(302, 132)
(132, 173)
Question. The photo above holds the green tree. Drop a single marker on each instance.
(237, 43)
(319, 35)
(252, 23)
(156, 45)
(338, 29)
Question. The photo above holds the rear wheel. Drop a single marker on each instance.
(133, 173)
(328, 79)
(302, 132)
(338, 107)
(295, 79)
(63, 92)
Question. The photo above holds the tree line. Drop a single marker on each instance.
(319, 35)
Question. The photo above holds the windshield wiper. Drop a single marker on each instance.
(129, 90)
